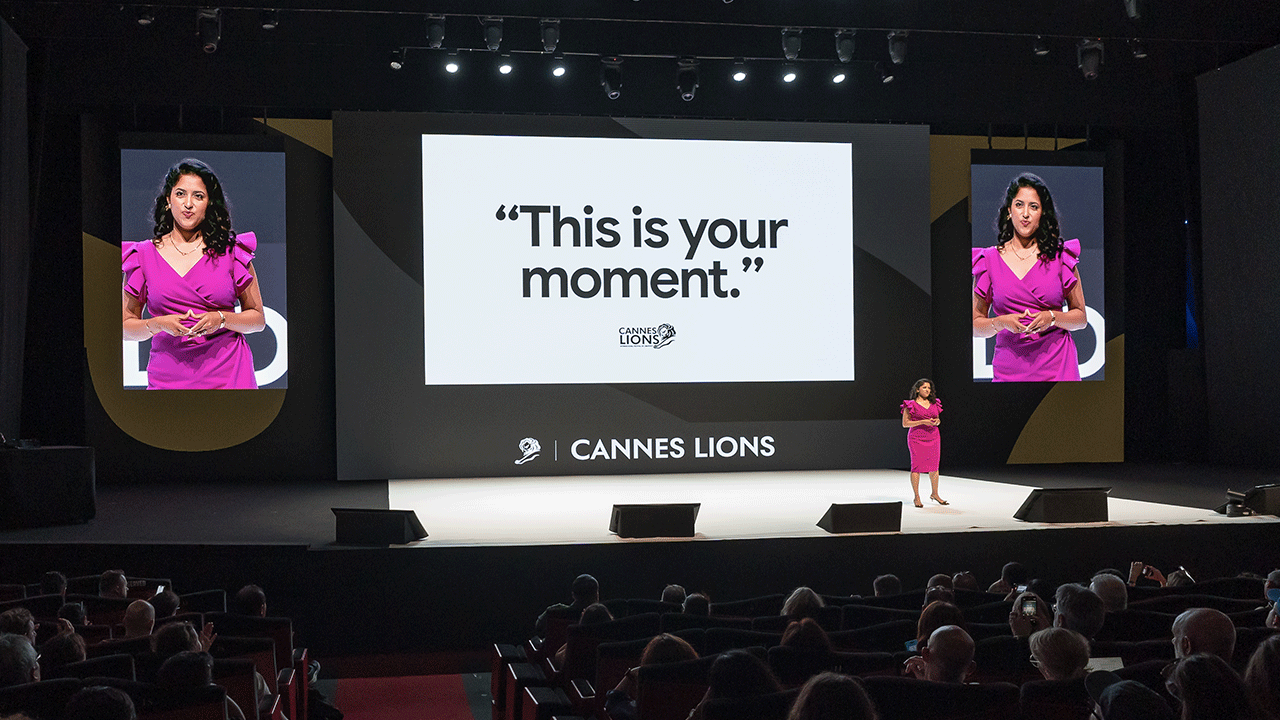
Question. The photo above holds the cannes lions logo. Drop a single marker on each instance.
(646, 337)
(529, 448)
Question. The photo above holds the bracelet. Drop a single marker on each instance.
(1053, 319)
(150, 332)
(224, 320)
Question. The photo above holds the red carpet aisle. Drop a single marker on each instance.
(421, 697)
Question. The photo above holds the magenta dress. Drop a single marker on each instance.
(924, 441)
(1049, 356)
(219, 360)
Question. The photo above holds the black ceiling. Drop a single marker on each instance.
(967, 60)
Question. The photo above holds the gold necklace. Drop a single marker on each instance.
(1034, 251)
(175, 247)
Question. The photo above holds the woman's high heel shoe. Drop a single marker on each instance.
(918, 503)
(938, 500)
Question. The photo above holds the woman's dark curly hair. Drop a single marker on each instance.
(1048, 238)
(933, 389)
(216, 227)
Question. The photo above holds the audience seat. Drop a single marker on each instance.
(1136, 625)
(859, 616)
(118, 666)
(1248, 640)
(830, 618)
(993, 612)
(203, 601)
(581, 642)
(1055, 700)
(130, 646)
(1177, 603)
(543, 703)
(1003, 658)
(901, 698)
(44, 699)
(519, 677)
(675, 621)
(883, 637)
(751, 607)
(1132, 652)
(717, 640)
(10, 591)
(500, 657)
(771, 706)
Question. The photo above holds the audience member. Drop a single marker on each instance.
(737, 674)
(802, 603)
(1012, 575)
(1041, 587)
(1140, 571)
(1180, 578)
(249, 600)
(585, 591)
(113, 584)
(620, 702)
(948, 655)
(1059, 654)
(53, 583)
(1112, 590)
(886, 585)
(166, 604)
(62, 649)
(19, 661)
(19, 621)
(1029, 614)
(1078, 608)
(964, 581)
(100, 703)
(176, 637)
(1262, 677)
(1117, 699)
(1204, 630)
(940, 580)
(1209, 689)
(805, 634)
(832, 696)
(593, 614)
(697, 604)
(73, 612)
(938, 593)
(189, 671)
(673, 594)
(936, 615)
(139, 619)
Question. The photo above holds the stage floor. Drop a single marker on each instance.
(760, 505)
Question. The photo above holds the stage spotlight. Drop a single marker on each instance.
(1040, 47)
(145, 15)
(270, 19)
(1133, 8)
(435, 31)
(1138, 48)
(550, 34)
(492, 32)
(898, 47)
(397, 59)
(451, 65)
(789, 73)
(687, 78)
(1089, 56)
(504, 65)
(839, 75)
(844, 45)
(209, 27)
(739, 70)
(886, 75)
(558, 67)
(791, 43)
(611, 77)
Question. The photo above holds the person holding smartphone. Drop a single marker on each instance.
(1029, 615)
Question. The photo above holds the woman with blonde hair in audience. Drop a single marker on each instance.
(832, 696)
(802, 603)
(1262, 677)
(1059, 654)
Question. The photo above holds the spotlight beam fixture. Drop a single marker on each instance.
(550, 30)
(687, 78)
(145, 15)
(611, 77)
(397, 59)
(1089, 56)
(791, 43)
(270, 19)
(492, 32)
(844, 45)
(209, 28)
(435, 31)
(898, 47)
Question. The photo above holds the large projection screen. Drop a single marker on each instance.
(536, 296)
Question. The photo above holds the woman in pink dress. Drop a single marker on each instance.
(189, 277)
(1026, 278)
(920, 414)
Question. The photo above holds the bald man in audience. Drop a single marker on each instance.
(139, 619)
(948, 656)
(1112, 590)
(1204, 630)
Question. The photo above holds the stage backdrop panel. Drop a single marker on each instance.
(803, 368)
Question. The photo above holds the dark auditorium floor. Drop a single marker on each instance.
(299, 514)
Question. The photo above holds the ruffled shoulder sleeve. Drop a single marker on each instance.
(981, 274)
(242, 253)
(906, 405)
(1070, 257)
(938, 404)
(135, 279)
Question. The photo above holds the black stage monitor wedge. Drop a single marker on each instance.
(862, 517)
(1065, 505)
(656, 520)
(1263, 499)
(366, 526)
